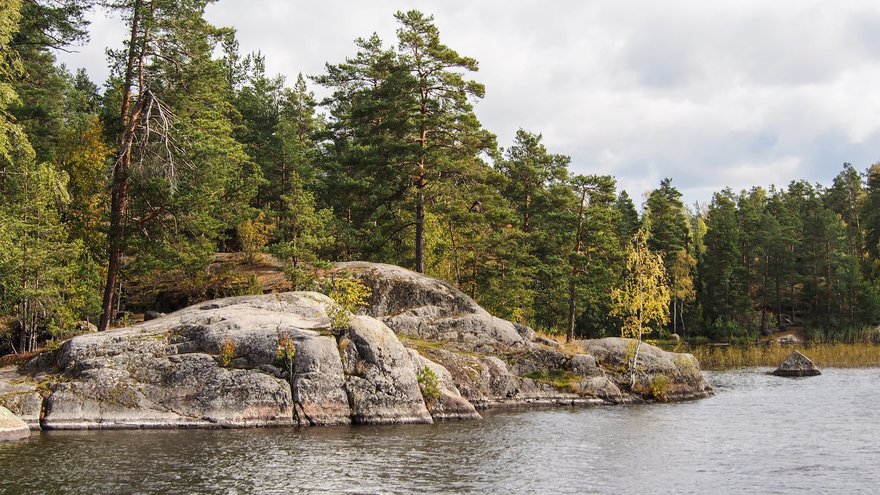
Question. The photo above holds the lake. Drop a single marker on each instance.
(759, 434)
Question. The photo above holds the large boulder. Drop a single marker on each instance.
(427, 308)
(795, 365)
(12, 427)
(450, 404)
(660, 375)
(215, 365)
(380, 376)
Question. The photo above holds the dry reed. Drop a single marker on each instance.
(833, 355)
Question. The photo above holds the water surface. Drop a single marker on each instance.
(759, 434)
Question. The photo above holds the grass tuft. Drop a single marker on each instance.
(565, 381)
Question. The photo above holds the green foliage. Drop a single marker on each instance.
(249, 286)
(659, 387)
(560, 379)
(723, 260)
(305, 233)
(406, 138)
(391, 167)
(349, 295)
(428, 384)
(45, 275)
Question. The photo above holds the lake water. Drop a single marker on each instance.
(759, 434)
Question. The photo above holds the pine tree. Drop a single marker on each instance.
(667, 224)
(725, 300)
(529, 170)
(169, 48)
(846, 198)
(43, 286)
(596, 250)
(407, 113)
(534, 178)
(629, 219)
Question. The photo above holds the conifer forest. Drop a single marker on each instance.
(190, 150)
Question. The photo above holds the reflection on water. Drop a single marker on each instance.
(760, 434)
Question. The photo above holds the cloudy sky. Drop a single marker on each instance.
(711, 94)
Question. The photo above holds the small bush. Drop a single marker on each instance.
(253, 236)
(285, 351)
(227, 352)
(660, 387)
(428, 384)
(301, 278)
(349, 295)
(249, 286)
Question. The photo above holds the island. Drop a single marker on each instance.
(422, 351)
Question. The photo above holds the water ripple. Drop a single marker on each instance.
(760, 434)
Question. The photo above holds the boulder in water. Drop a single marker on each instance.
(12, 427)
(796, 364)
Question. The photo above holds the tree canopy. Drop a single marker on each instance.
(191, 152)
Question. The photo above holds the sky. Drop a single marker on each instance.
(715, 94)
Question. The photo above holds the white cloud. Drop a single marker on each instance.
(712, 94)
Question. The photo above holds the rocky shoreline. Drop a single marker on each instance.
(214, 365)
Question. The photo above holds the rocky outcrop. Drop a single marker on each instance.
(12, 427)
(506, 363)
(19, 394)
(660, 375)
(214, 365)
(414, 305)
(425, 352)
(380, 376)
(795, 365)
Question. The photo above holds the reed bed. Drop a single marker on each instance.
(831, 355)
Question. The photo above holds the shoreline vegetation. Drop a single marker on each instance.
(727, 356)
(824, 355)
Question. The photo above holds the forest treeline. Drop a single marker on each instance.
(190, 148)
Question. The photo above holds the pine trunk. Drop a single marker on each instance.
(420, 231)
(119, 197)
(569, 335)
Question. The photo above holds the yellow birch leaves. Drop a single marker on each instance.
(642, 301)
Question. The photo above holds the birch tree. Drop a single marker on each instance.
(643, 299)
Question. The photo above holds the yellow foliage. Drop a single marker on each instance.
(253, 236)
(643, 299)
(227, 352)
(681, 283)
(83, 154)
(285, 352)
(349, 294)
